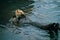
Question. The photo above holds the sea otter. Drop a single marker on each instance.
(19, 14)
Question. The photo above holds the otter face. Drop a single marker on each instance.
(18, 13)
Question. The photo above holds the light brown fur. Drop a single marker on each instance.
(18, 12)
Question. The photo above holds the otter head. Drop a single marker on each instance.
(19, 12)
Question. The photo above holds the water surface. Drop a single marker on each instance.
(41, 11)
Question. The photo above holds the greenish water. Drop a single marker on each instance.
(41, 11)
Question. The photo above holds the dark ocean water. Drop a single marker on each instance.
(41, 11)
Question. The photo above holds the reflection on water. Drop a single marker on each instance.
(53, 35)
(26, 32)
(40, 11)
